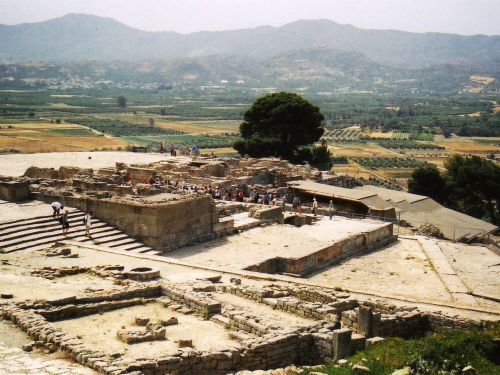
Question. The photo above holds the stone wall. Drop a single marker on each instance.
(291, 300)
(71, 307)
(403, 324)
(204, 306)
(339, 250)
(14, 191)
(164, 225)
(266, 347)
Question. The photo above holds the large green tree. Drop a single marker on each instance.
(469, 184)
(427, 180)
(278, 125)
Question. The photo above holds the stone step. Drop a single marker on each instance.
(72, 234)
(140, 250)
(152, 252)
(36, 233)
(130, 246)
(122, 242)
(46, 234)
(111, 238)
(96, 235)
(46, 223)
(35, 220)
(32, 230)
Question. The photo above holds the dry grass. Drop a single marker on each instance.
(359, 150)
(218, 151)
(37, 126)
(215, 127)
(36, 137)
(466, 146)
(403, 173)
(205, 127)
(381, 135)
(351, 170)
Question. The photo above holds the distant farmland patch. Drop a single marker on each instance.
(119, 128)
(49, 137)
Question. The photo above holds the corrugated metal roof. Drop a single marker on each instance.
(414, 209)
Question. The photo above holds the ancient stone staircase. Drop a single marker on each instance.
(39, 232)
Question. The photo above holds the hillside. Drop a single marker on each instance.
(86, 37)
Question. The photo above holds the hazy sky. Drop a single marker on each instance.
(454, 16)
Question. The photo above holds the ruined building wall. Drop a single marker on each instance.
(13, 191)
(339, 250)
(164, 226)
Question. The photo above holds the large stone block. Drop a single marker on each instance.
(14, 191)
(341, 343)
(365, 320)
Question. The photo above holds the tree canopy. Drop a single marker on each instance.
(470, 185)
(122, 101)
(278, 124)
(427, 180)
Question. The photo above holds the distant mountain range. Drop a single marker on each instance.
(77, 37)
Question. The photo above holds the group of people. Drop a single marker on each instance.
(192, 151)
(63, 216)
(269, 199)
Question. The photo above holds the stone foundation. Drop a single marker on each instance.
(164, 225)
(339, 250)
(264, 344)
(14, 191)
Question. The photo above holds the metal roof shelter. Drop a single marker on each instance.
(412, 208)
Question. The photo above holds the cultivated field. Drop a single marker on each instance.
(47, 137)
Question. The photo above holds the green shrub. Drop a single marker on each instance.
(437, 354)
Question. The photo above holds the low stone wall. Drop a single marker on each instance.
(244, 322)
(267, 214)
(266, 347)
(71, 307)
(289, 300)
(401, 324)
(45, 332)
(339, 250)
(203, 305)
(438, 322)
(36, 172)
(62, 173)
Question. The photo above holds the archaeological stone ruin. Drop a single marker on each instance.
(223, 266)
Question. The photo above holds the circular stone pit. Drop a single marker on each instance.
(142, 274)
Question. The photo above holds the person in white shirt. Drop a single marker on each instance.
(57, 207)
(87, 221)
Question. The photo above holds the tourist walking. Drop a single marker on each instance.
(330, 209)
(65, 222)
(296, 204)
(87, 221)
(57, 207)
(315, 206)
